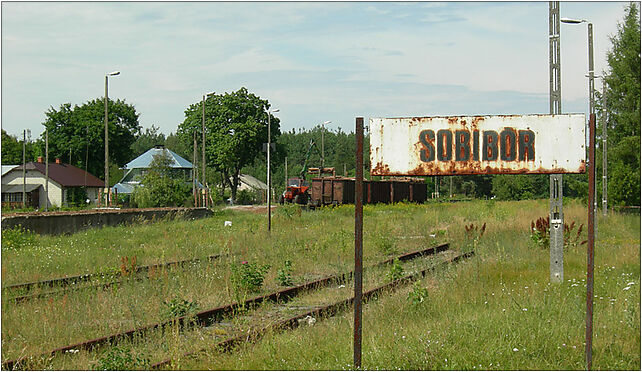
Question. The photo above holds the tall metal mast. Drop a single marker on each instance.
(556, 213)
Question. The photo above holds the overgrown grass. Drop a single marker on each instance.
(493, 311)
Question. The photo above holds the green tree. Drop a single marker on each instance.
(146, 140)
(622, 101)
(235, 130)
(513, 187)
(160, 187)
(12, 150)
(77, 134)
(174, 143)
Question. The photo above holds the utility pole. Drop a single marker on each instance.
(106, 145)
(269, 177)
(24, 169)
(194, 172)
(604, 163)
(592, 96)
(556, 212)
(107, 201)
(286, 171)
(47, 170)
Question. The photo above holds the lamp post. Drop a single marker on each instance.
(203, 158)
(107, 136)
(322, 144)
(592, 226)
(269, 184)
(604, 163)
(604, 135)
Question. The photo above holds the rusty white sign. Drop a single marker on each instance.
(512, 144)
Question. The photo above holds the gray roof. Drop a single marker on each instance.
(124, 188)
(128, 187)
(7, 168)
(18, 188)
(144, 160)
(252, 182)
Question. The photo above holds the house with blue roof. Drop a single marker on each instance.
(136, 169)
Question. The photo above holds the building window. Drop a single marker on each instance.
(12, 197)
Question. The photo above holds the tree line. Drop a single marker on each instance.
(236, 129)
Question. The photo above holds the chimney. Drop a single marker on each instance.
(58, 161)
(39, 159)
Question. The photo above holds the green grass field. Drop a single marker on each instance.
(495, 311)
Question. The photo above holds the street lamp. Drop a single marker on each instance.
(322, 147)
(592, 232)
(203, 165)
(269, 184)
(591, 72)
(107, 136)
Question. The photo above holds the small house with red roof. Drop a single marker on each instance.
(66, 185)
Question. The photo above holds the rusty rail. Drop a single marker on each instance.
(322, 312)
(206, 317)
(88, 277)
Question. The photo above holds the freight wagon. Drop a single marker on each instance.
(340, 190)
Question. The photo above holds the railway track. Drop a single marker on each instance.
(207, 317)
(318, 313)
(79, 279)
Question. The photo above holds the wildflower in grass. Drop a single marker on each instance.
(515, 349)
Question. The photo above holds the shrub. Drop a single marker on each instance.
(158, 188)
(541, 234)
(284, 276)
(120, 359)
(178, 307)
(418, 294)
(396, 270)
(248, 276)
(245, 197)
(474, 234)
(17, 237)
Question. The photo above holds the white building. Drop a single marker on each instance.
(64, 181)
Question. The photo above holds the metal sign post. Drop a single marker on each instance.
(591, 246)
(358, 243)
(456, 145)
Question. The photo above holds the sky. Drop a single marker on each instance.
(314, 61)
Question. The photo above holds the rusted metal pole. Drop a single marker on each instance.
(358, 242)
(591, 246)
